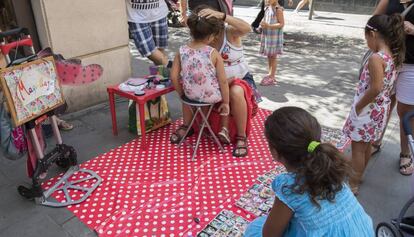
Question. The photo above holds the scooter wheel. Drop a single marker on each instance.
(385, 229)
(73, 156)
(67, 158)
(29, 193)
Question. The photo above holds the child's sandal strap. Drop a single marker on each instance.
(175, 137)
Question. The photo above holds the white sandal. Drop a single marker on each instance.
(224, 136)
(406, 164)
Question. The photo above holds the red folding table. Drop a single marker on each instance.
(150, 94)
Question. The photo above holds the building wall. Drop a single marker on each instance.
(94, 31)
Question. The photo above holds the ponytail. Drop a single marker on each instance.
(397, 39)
(391, 29)
(321, 170)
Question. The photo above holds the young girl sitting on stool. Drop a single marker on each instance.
(198, 71)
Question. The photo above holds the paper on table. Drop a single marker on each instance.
(129, 88)
(136, 81)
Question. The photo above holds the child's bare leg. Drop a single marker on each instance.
(225, 122)
(224, 135)
(367, 154)
(358, 164)
(272, 66)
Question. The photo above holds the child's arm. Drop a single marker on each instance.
(376, 71)
(278, 220)
(175, 75)
(280, 20)
(224, 85)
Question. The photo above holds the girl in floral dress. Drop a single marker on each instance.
(369, 112)
(271, 44)
(198, 71)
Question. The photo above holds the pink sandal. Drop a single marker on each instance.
(268, 81)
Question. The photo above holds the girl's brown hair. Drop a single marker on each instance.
(391, 28)
(201, 27)
(320, 173)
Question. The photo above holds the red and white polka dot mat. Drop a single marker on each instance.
(159, 192)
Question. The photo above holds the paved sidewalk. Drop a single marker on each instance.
(318, 72)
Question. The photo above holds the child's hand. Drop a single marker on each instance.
(264, 25)
(224, 109)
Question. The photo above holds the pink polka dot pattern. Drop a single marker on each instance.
(160, 191)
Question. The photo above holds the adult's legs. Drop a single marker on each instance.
(259, 16)
(158, 57)
(238, 107)
(301, 4)
(405, 156)
(151, 39)
(160, 35)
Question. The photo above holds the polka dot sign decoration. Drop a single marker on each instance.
(160, 191)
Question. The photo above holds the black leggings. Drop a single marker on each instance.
(260, 15)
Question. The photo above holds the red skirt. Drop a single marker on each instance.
(215, 118)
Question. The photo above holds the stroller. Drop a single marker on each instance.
(402, 224)
(62, 155)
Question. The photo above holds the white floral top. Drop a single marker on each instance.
(198, 75)
(369, 125)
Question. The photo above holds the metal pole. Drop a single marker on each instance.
(311, 8)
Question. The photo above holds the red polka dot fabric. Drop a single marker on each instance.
(160, 191)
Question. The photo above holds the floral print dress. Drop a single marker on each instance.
(198, 75)
(369, 125)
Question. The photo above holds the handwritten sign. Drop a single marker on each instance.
(31, 89)
(32, 85)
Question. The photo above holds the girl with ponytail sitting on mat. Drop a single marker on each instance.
(312, 198)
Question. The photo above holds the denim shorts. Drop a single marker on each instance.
(149, 36)
(249, 79)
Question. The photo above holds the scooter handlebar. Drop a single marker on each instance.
(406, 123)
(12, 32)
